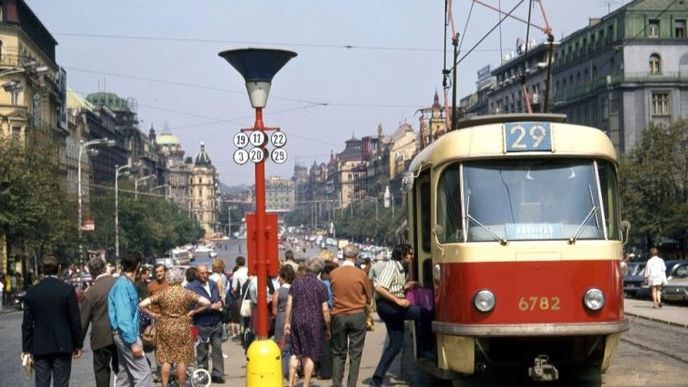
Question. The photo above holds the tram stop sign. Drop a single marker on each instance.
(271, 251)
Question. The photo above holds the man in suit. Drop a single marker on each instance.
(94, 309)
(51, 329)
(209, 323)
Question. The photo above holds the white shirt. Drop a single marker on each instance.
(655, 270)
(239, 278)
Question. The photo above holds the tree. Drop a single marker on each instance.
(654, 185)
(36, 213)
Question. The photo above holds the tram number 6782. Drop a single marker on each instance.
(529, 304)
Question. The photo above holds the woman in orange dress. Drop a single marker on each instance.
(174, 344)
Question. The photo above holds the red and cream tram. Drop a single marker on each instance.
(515, 223)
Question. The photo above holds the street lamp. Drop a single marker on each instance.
(117, 174)
(83, 146)
(136, 184)
(168, 192)
(258, 67)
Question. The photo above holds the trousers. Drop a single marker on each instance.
(133, 371)
(104, 360)
(57, 367)
(214, 336)
(348, 333)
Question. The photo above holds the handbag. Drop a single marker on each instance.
(246, 306)
(370, 322)
(149, 337)
(422, 297)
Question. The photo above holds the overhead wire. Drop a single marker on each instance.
(270, 43)
(488, 33)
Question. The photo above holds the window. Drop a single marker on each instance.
(653, 28)
(16, 132)
(680, 28)
(449, 216)
(531, 200)
(655, 64)
(660, 104)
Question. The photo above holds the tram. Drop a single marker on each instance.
(516, 227)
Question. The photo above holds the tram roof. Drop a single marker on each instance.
(483, 137)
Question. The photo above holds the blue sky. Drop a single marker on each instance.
(164, 55)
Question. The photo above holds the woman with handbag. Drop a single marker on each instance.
(174, 344)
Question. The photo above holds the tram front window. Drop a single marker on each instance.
(508, 200)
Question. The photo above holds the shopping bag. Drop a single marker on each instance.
(422, 297)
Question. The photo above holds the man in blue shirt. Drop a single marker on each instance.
(209, 323)
(123, 313)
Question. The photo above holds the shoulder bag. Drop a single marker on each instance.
(246, 304)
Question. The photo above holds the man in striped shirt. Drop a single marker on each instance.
(393, 308)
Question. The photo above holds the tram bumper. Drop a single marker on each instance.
(464, 348)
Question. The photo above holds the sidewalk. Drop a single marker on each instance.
(672, 314)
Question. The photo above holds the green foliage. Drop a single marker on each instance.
(149, 224)
(654, 185)
(359, 222)
(36, 212)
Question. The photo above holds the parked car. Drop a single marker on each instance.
(634, 279)
(671, 267)
(18, 299)
(676, 288)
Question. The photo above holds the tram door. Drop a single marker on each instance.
(422, 209)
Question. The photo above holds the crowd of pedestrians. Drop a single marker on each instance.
(317, 308)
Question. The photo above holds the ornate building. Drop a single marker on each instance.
(204, 192)
(178, 171)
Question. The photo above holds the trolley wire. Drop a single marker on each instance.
(487, 34)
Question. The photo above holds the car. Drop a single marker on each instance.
(676, 288)
(671, 267)
(634, 278)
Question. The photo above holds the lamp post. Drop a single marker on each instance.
(136, 184)
(168, 191)
(117, 174)
(83, 146)
(258, 67)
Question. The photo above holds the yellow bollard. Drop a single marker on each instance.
(263, 364)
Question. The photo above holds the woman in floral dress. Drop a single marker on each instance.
(174, 344)
(307, 315)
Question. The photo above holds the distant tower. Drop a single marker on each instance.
(203, 189)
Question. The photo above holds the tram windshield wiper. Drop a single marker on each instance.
(501, 240)
(592, 211)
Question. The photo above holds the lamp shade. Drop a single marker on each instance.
(258, 66)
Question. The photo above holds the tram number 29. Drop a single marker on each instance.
(530, 304)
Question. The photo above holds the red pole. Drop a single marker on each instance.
(261, 239)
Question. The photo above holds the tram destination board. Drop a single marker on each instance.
(527, 137)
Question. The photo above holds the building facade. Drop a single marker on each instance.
(625, 70)
(204, 192)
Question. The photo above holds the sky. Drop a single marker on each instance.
(360, 63)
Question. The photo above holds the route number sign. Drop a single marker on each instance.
(257, 138)
(256, 155)
(278, 156)
(278, 139)
(240, 140)
(241, 156)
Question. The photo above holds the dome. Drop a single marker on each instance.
(202, 157)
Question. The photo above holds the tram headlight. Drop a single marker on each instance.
(484, 301)
(594, 299)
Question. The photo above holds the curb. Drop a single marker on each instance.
(656, 319)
